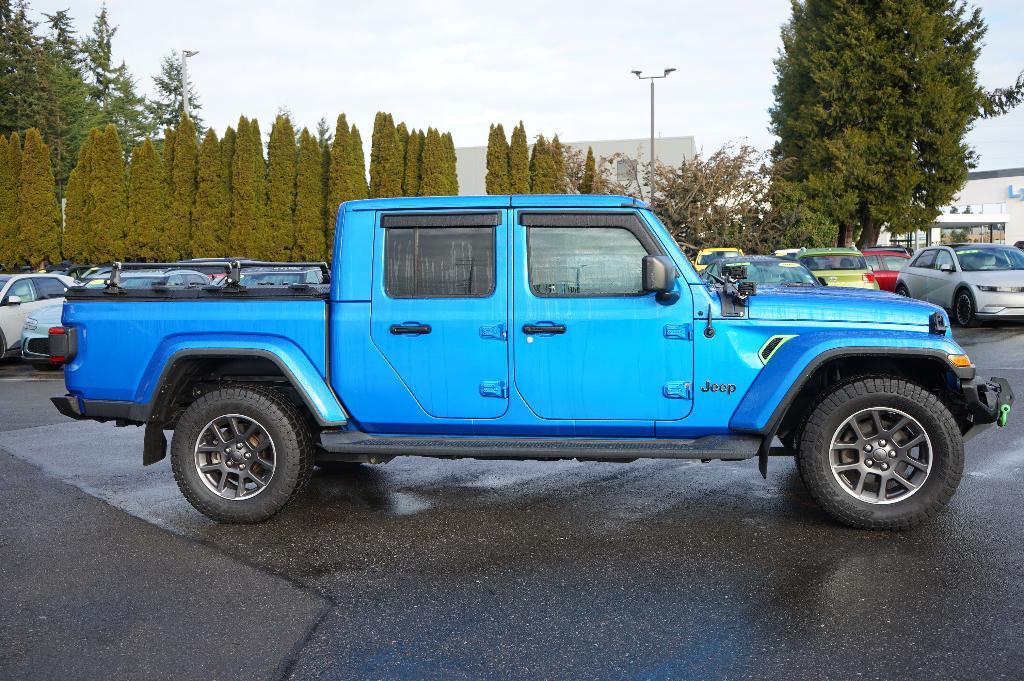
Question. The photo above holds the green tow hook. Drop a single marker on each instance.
(1004, 413)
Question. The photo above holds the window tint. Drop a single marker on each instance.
(926, 259)
(449, 262)
(24, 290)
(873, 262)
(894, 262)
(585, 261)
(943, 258)
(49, 287)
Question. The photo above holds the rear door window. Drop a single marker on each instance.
(50, 287)
(439, 262)
(925, 260)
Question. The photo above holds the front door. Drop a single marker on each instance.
(589, 343)
(439, 309)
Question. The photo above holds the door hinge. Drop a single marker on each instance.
(494, 389)
(495, 331)
(678, 331)
(677, 390)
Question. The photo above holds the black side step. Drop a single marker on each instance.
(733, 447)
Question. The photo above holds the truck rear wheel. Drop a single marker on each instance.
(881, 453)
(239, 455)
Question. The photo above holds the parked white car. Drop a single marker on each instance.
(977, 282)
(20, 296)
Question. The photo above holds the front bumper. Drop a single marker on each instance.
(989, 402)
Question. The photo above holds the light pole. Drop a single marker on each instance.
(185, 54)
(652, 79)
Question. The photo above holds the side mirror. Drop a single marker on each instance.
(945, 267)
(659, 276)
(13, 300)
(821, 280)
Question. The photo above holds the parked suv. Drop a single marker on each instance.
(978, 282)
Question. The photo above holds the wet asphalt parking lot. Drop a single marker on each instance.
(471, 569)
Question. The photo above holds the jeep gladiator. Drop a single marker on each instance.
(529, 328)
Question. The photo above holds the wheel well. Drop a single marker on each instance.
(956, 292)
(930, 372)
(189, 378)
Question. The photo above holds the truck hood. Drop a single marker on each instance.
(834, 304)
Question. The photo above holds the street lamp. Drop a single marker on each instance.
(652, 79)
(185, 54)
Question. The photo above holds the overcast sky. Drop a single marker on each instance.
(560, 66)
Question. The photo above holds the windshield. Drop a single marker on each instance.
(273, 278)
(715, 256)
(988, 259)
(839, 261)
(767, 273)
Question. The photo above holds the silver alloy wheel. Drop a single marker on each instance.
(880, 455)
(235, 457)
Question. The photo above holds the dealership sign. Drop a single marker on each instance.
(1019, 194)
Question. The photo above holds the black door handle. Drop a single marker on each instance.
(531, 329)
(410, 329)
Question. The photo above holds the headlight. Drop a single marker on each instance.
(1002, 289)
(31, 324)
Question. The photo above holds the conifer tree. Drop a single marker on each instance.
(212, 211)
(10, 185)
(557, 152)
(281, 162)
(227, 154)
(386, 158)
(108, 207)
(248, 197)
(497, 181)
(519, 161)
(147, 204)
(402, 132)
(166, 149)
(589, 173)
(432, 181)
(413, 164)
(77, 202)
(175, 238)
(357, 165)
(451, 173)
(38, 223)
(339, 174)
(309, 197)
(542, 168)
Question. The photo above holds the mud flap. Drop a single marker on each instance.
(762, 454)
(154, 444)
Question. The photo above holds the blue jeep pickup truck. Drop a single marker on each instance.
(526, 327)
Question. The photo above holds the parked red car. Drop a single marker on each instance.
(887, 265)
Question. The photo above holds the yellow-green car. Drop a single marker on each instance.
(839, 267)
(706, 256)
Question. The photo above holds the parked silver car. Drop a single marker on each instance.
(978, 282)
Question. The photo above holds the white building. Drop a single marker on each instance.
(471, 162)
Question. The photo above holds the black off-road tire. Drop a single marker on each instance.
(850, 397)
(292, 443)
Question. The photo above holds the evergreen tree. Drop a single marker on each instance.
(38, 222)
(872, 105)
(10, 185)
(324, 137)
(339, 174)
(357, 165)
(175, 238)
(247, 190)
(402, 132)
(432, 179)
(211, 215)
(21, 76)
(77, 202)
(413, 164)
(147, 204)
(165, 109)
(497, 181)
(589, 173)
(166, 149)
(386, 158)
(281, 170)
(309, 199)
(557, 152)
(108, 200)
(451, 174)
(227, 154)
(519, 161)
(542, 168)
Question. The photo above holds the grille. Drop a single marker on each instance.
(39, 346)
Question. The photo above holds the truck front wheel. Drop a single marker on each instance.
(881, 453)
(240, 454)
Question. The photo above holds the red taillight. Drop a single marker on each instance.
(868, 277)
(57, 331)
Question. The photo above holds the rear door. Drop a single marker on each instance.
(439, 309)
(589, 343)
